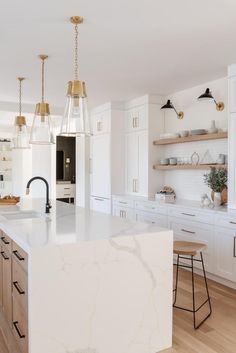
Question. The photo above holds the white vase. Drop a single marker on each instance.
(217, 199)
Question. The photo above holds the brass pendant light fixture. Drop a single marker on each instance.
(75, 121)
(20, 137)
(41, 131)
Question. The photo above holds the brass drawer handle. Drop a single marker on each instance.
(234, 246)
(19, 257)
(188, 231)
(188, 214)
(4, 256)
(5, 241)
(19, 290)
(15, 323)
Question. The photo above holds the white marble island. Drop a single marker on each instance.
(96, 283)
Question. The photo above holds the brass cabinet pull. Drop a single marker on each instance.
(187, 231)
(15, 324)
(234, 247)
(5, 241)
(133, 123)
(4, 256)
(136, 185)
(133, 185)
(97, 199)
(19, 257)
(19, 290)
(136, 122)
(123, 202)
(99, 126)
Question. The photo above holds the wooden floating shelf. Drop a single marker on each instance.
(219, 135)
(188, 166)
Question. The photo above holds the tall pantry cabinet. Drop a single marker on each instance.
(106, 155)
(144, 121)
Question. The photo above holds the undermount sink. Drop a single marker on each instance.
(22, 215)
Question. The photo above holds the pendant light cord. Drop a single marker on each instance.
(42, 80)
(76, 53)
(20, 104)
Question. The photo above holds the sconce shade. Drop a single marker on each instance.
(168, 105)
(207, 95)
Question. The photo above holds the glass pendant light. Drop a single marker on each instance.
(75, 121)
(41, 131)
(20, 138)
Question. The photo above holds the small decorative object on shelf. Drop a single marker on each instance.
(206, 202)
(9, 200)
(195, 158)
(207, 158)
(167, 194)
(217, 181)
(213, 129)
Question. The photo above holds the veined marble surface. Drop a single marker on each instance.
(66, 224)
(96, 283)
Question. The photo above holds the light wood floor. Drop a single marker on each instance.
(218, 333)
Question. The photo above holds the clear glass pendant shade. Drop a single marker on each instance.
(75, 121)
(20, 138)
(42, 129)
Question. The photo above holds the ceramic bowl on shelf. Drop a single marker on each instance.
(164, 161)
(169, 136)
(198, 132)
(184, 133)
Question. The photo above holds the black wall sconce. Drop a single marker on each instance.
(169, 105)
(207, 96)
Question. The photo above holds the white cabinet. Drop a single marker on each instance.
(152, 218)
(123, 212)
(65, 191)
(136, 119)
(101, 123)
(225, 253)
(137, 163)
(100, 204)
(100, 166)
(232, 94)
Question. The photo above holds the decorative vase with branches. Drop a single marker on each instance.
(217, 180)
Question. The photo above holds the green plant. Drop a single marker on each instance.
(216, 179)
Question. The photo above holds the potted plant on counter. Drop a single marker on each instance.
(217, 181)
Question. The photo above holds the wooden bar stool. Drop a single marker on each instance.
(183, 249)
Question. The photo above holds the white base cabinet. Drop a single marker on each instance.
(214, 228)
(100, 204)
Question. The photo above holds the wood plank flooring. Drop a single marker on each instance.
(218, 333)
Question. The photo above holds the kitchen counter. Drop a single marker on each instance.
(96, 283)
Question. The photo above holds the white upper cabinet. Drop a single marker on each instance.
(136, 119)
(100, 166)
(232, 94)
(101, 123)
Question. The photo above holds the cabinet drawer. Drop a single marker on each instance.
(20, 256)
(119, 201)
(228, 221)
(195, 232)
(65, 191)
(191, 215)
(19, 285)
(152, 218)
(6, 241)
(150, 207)
(20, 327)
(100, 204)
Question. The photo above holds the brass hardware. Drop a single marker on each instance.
(20, 120)
(133, 123)
(136, 122)
(180, 115)
(27, 191)
(42, 109)
(76, 89)
(76, 20)
(43, 56)
(220, 106)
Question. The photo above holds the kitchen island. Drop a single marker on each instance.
(90, 282)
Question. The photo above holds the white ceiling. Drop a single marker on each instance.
(127, 47)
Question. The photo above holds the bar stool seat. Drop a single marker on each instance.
(186, 250)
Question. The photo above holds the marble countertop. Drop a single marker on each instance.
(66, 224)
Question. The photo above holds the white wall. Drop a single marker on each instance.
(188, 184)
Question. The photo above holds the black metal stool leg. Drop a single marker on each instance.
(176, 281)
(193, 292)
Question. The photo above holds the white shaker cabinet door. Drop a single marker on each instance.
(123, 212)
(136, 118)
(225, 253)
(100, 166)
(142, 183)
(131, 156)
(232, 94)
